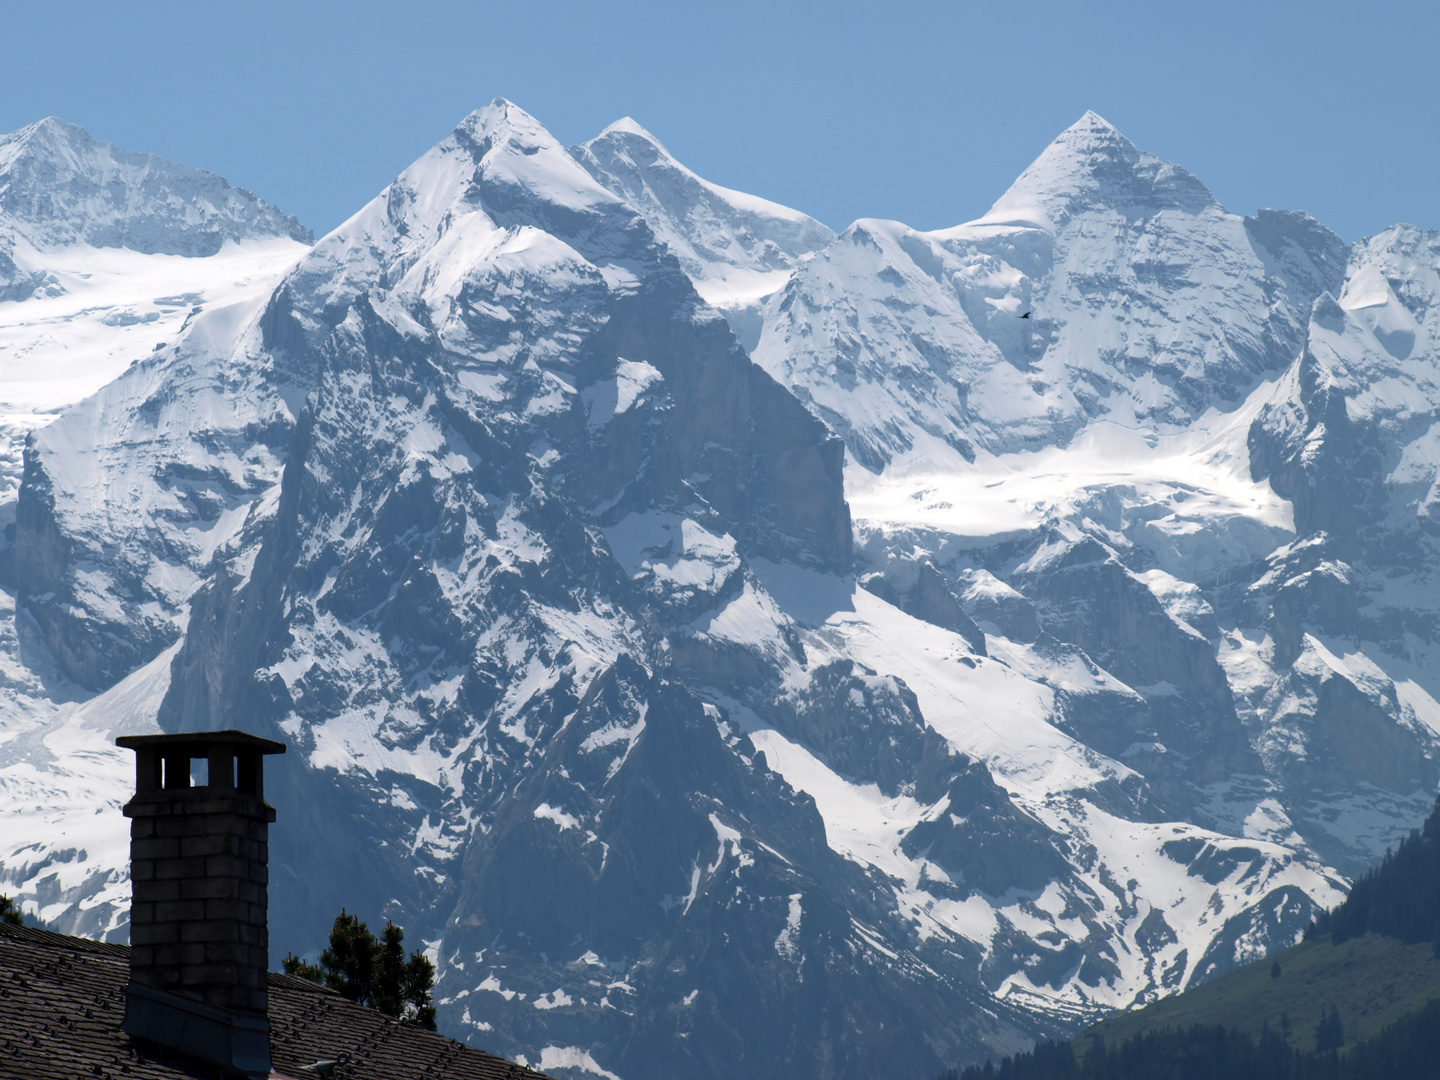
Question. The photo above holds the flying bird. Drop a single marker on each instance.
(1026, 315)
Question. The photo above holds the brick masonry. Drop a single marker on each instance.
(198, 864)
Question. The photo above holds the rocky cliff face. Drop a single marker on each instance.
(510, 457)
(60, 186)
(938, 679)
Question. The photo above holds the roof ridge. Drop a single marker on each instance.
(67, 994)
(295, 982)
(38, 936)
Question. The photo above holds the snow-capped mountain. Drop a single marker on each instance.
(105, 255)
(60, 186)
(735, 248)
(1105, 283)
(936, 679)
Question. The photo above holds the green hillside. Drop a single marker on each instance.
(1372, 980)
(1372, 959)
(1359, 999)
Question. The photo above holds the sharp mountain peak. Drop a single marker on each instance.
(1092, 164)
(60, 185)
(628, 125)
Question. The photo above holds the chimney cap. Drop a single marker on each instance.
(202, 740)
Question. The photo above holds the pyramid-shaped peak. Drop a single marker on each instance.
(1092, 122)
(1091, 135)
(59, 127)
(628, 125)
(626, 137)
(60, 185)
(498, 168)
(501, 119)
(509, 146)
(50, 127)
(46, 138)
(1090, 165)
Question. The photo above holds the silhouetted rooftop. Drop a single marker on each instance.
(62, 1000)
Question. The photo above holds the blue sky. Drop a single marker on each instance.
(922, 112)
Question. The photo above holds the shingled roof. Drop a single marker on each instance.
(62, 1000)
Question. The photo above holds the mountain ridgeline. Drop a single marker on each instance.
(732, 646)
(60, 187)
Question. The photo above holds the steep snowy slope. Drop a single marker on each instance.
(553, 592)
(735, 248)
(105, 255)
(1102, 471)
(1350, 606)
(1086, 474)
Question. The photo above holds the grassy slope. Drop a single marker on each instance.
(1372, 980)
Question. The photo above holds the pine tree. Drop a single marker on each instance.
(1329, 1033)
(373, 972)
(419, 981)
(1399, 898)
(297, 966)
(390, 971)
(349, 962)
(10, 912)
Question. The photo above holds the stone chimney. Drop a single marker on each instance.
(199, 946)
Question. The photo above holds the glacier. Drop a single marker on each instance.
(730, 645)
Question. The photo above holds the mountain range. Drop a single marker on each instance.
(730, 645)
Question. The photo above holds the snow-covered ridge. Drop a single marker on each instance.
(59, 186)
(499, 180)
(713, 230)
(736, 248)
(1105, 284)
